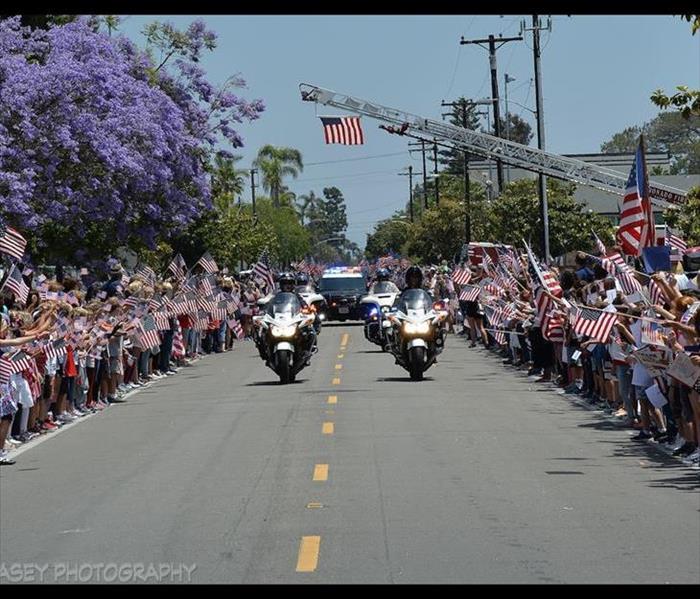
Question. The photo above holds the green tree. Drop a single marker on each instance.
(516, 129)
(452, 159)
(292, 240)
(389, 235)
(687, 218)
(515, 216)
(227, 181)
(439, 234)
(667, 132)
(686, 100)
(305, 205)
(275, 164)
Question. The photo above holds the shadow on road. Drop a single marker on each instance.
(394, 379)
(274, 383)
(353, 323)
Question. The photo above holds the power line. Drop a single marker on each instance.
(367, 174)
(353, 159)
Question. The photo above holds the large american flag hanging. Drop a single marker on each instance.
(343, 130)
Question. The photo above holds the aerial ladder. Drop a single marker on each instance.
(488, 146)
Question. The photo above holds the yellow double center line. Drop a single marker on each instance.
(310, 546)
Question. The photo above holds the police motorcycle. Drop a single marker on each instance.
(415, 331)
(284, 334)
(375, 306)
(306, 289)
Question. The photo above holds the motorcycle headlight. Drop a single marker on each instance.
(287, 331)
(385, 309)
(420, 328)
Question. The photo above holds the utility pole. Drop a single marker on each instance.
(437, 187)
(544, 213)
(507, 79)
(252, 191)
(410, 189)
(425, 172)
(467, 191)
(492, 39)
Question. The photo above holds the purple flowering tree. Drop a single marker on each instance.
(99, 146)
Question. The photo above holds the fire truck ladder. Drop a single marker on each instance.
(531, 159)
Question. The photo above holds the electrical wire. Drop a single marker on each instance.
(352, 159)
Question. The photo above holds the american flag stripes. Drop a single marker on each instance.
(655, 293)
(12, 243)
(636, 230)
(55, 349)
(263, 273)
(146, 272)
(15, 283)
(11, 364)
(595, 324)
(207, 263)
(461, 276)
(148, 332)
(236, 327)
(470, 293)
(344, 130)
(162, 321)
(546, 278)
(674, 241)
(178, 343)
(600, 246)
(178, 267)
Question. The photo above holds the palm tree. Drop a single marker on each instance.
(227, 181)
(275, 164)
(307, 203)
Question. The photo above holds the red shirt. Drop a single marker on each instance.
(69, 368)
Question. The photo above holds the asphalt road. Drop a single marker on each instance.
(475, 475)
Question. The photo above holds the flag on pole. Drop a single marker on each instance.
(178, 267)
(344, 130)
(470, 293)
(262, 272)
(675, 242)
(600, 246)
(207, 263)
(461, 276)
(15, 283)
(636, 230)
(595, 324)
(147, 273)
(11, 242)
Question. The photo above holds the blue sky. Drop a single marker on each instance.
(598, 74)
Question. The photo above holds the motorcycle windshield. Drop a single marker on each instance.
(284, 304)
(384, 287)
(414, 300)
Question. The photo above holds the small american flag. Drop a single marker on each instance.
(470, 293)
(461, 276)
(236, 327)
(675, 242)
(147, 273)
(11, 242)
(178, 343)
(55, 349)
(655, 293)
(148, 332)
(600, 246)
(178, 267)
(15, 283)
(207, 263)
(261, 271)
(594, 324)
(344, 130)
(10, 365)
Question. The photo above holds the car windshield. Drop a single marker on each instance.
(384, 287)
(284, 303)
(414, 299)
(356, 284)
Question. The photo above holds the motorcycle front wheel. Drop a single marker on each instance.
(416, 361)
(284, 367)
